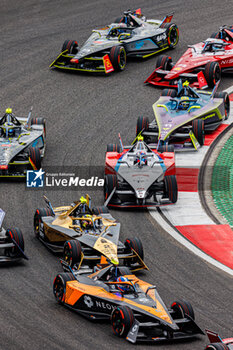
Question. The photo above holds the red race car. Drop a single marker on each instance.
(202, 64)
(216, 343)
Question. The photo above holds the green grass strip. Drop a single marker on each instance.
(222, 181)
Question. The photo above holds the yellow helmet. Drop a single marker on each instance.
(186, 83)
(83, 200)
(8, 111)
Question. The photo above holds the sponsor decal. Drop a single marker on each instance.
(139, 44)
(104, 305)
(224, 62)
(107, 64)
(35, 178)
(88, 301)
(161, 37)
(209, 116)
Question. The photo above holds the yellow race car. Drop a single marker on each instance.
(85, 234)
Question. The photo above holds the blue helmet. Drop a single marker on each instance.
(123, 287)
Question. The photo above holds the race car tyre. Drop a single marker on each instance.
(217, 346)
(113, 147)
(182, 308)
(110, 182)
(171, 190)
(136, 245)
(212, 73)
(100, 210)
(72, 252)
(35, 158)
(124, 271)
(71, 46)
(59, 285)
(169, 92)
(38, 219)
(118, 57)
(198, 130)
(215, 35)
(164, 62)
(119, 20)
(166, 148)
(122, 319)
(172, 35)
(142, 125)
(225, 97)
(16, 235)
(39, 121)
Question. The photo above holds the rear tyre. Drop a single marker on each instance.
(166, 148)
(35, 157)
(215, 35)
(71, 46)
(169, 92)
(172, 35)
(119, 20)
(59, 286)
(212, 73)
(171, 190)
(164, 62)
(39, 121)
(142, 124)
(217, 346)
(122, 319)
(72, 252)
(113, 147)
(118, 58)
(225, 97)
(198, 130)
(136, 245)
(110, 182)
(182, 308)
(38, 219)
(100, 210)
(16, 235)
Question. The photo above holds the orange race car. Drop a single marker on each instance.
(134, 307)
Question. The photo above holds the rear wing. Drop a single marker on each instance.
(2, 215)
(213, 337)
(166, 19)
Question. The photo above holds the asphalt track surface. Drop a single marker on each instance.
(83, 114)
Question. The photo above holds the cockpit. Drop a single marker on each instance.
(213, 45)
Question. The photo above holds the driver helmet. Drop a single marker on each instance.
(86, 224)
(11, 132)
(141, 158)
(123, 287)
(184, 103)
(216, 47)
(98, 224)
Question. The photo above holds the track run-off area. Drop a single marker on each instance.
(83, 114)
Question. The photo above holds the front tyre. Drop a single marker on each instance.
(122, 319)
(171, 189)
(226, 100)
(217, 346)
(72, 252)
(118, 58)
(164, 62)
(212, 73)
(38, 220)
(59, 286)
(198, 130)
(181, 308)
(172, 35)
(15, 234)
(71, 46)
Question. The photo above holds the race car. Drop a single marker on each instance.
(11, 244)
(202, 64)
(217, 343)
(91, 233)
(22, 144)
(134, 307)
(183, 117)
(139, 176)
(131, 35)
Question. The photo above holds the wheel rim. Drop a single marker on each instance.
(67, 254)
(173, 36)
(58, 291)
(37, 226)
(117, 324)
(122, 59)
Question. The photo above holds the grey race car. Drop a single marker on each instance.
(139, 176)
(11, 244)
(22, 144)
(131, 35)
